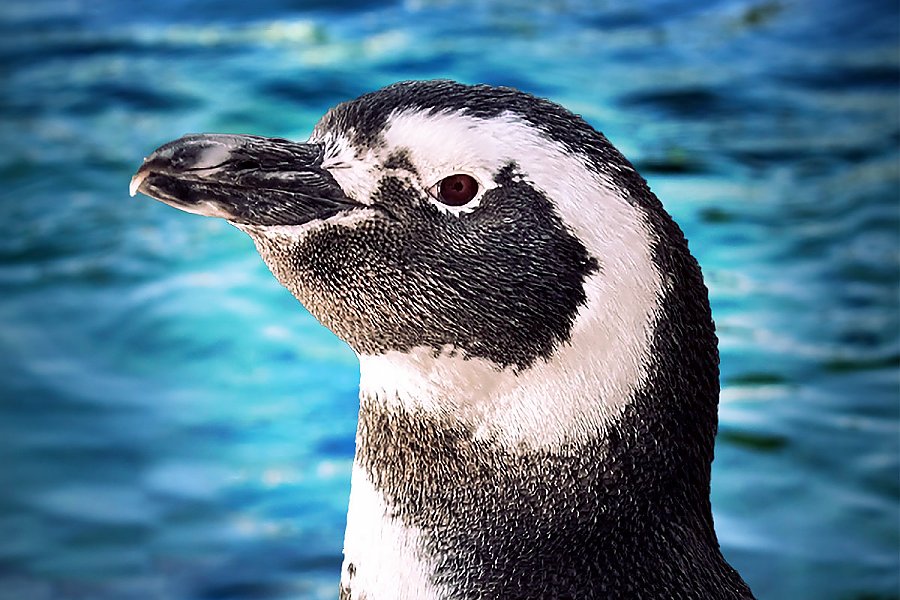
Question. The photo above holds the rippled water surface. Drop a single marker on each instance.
(174, 425)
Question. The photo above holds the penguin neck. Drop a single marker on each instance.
(466, 473)
(437, 511)
(443, 498)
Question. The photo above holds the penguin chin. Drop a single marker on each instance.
(310, 259)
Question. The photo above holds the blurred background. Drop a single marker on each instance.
(174, 425)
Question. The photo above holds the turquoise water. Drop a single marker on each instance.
(174, 425)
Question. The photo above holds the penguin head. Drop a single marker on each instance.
(474, 245)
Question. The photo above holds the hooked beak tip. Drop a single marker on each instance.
(135, 186)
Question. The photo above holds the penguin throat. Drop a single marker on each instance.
(436, 511)
(572, 397)
(468, 476)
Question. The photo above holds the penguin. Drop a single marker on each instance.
(538, 361)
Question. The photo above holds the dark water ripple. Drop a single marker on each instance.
(172, 425)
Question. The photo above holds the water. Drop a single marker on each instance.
(174, 425)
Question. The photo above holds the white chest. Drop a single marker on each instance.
(383, 559)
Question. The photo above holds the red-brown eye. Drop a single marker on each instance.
(457, 190)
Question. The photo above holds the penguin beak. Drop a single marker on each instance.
(245, 179)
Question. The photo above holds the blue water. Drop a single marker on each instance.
(174, 425)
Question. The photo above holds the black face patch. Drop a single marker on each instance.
(502, 283)
(551, 262)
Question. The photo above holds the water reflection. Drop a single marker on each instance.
(173, 425)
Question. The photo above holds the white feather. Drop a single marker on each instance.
(386, 555)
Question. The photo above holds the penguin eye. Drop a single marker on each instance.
(456, 190)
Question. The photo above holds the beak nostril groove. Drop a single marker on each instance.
(244, 164)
